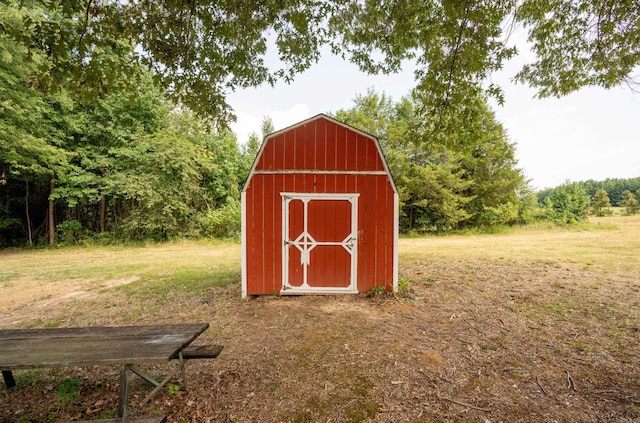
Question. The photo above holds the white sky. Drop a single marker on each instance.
(591, 134)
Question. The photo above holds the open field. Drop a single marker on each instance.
(533, 325)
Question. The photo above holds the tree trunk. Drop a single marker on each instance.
(411, 218)
(103, 206)
(26, 206)
(52, 226)
(103, 201)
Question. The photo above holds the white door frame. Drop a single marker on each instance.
(307, 243)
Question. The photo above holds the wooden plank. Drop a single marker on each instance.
(279, 184)
(123, 394)
(100, 331)
(255, 260)
(289, 150)
(201, 351)
(321, 145)
(351, 151)
(268, 219)
(130, 419)
(385, 230)
(265, 161)
(296, 227)
(278, 143)
(65, 347)
(332, 157)
(309, 142)
(299, 147)
(377, 160)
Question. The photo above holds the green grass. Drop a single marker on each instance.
(609, 242)
(187, 280)
(109, 262)
(153, 269)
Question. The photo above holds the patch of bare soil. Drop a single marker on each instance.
(474, 341)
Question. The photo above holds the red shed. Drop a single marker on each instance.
(319, 213)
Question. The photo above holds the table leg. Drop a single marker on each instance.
(182, 369)
(159, 386)
(8, 379)
(124, 391)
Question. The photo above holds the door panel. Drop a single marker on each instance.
(330, 267)
(319, 242)
(329, 220)
(296, 228)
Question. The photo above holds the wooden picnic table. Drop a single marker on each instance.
(124, 346)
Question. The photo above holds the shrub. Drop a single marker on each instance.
(223, 222)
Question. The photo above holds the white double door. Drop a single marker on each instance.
(319, 243)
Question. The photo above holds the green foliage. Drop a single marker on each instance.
(613, 186)
(127, 169)
(404, 288)
(173, 389)
(600, 203)
(434, 195)
(32, 153)
(267, 126)
(466, 177)
(69, 231)
(530, 210)
(229, 170)
(602, 193)
(377, 291)
(164, 182)
(29, 142)
(68, 391)
(630, 203)
(489, 160)
(201, 50)
(223, 222)
(108, 414)
(88, 137)
(579, 44)
(569, 203)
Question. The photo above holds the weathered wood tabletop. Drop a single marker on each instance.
(125, 346)
(70, 347)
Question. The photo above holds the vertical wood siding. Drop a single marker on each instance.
(301, 154)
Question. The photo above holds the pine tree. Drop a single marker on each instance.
(630, 203)
(600, 203)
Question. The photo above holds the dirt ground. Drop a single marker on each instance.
(473, 341)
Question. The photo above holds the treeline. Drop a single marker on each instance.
(467, 177)
(90, 149)
(121, 168)
(614, 187)
(112, 168)
(573, 201)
